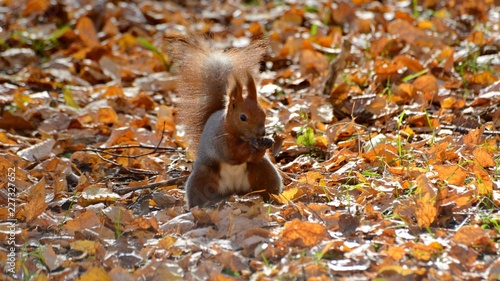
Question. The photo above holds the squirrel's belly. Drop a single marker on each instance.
(233, 179)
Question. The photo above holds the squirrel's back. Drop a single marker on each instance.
(204, 77)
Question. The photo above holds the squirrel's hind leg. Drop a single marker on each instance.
(264, 176)
(202, 187)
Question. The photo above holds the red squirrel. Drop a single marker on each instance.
(225, 122)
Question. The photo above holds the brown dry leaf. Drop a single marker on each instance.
(113, 92)
(51, 259)
(454, 174)
(395, 252)
(313, 62)
(386, 153)
(422, 252)
(464, 254)
(107, 115)
(165, 121)
(409, 62)
(483, 78)
(385, 67)
(311, 178)
(35, 7)
(143, 100)
(427, 84)
(121, 136)
(468, 235)
(95, 273)
(409, 33)
(395, 272)
(233, 261)
(377, 46)
(87, 33)
(484, 157)
(474, 137)
(34, 207)
(303, 234)
(87, 220)
(482, 182)
(426, 211)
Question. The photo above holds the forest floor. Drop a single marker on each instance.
(392, 174)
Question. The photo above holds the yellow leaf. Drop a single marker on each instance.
(95, 273)
(288, 195)
(425, 24)
(167, 242)
(86, 246)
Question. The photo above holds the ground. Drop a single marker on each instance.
(385, 117)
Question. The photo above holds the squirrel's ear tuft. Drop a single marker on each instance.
(236, 95)
(251, 88)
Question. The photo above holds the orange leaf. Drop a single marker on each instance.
(303, 234)
(95, 273)
(165, 121)
(483, 78)
(87, 32)
(473, 137)
(427, 84)
(36, 6)
(396, 253)
(426, 211)
(469, 234)
(409, 62)
(385, 67)
(422, 252)
(451, 173)
(107, 115)
(34, 207)
(484, 157)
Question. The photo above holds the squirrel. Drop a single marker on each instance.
(224, 125)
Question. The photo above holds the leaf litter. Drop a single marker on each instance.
(387, 116)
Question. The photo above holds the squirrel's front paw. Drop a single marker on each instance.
(262, 143)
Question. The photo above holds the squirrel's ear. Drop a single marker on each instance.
(251, 88)
(236, 95)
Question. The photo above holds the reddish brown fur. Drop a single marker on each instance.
(224, 122)
(197, 79)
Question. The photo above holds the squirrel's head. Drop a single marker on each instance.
(245, 117)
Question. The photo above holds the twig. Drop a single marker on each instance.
(145, 146)
(130, 170)
(177, 180)
(464, 130)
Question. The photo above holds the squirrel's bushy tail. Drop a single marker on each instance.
(204, 76)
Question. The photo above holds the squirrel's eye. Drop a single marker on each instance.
(243, 117)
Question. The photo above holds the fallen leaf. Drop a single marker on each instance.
(484, 157)
(453, 174)
(427, 84)
(38, 152)
(86, 32)
(303, 234)
(95, 273)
